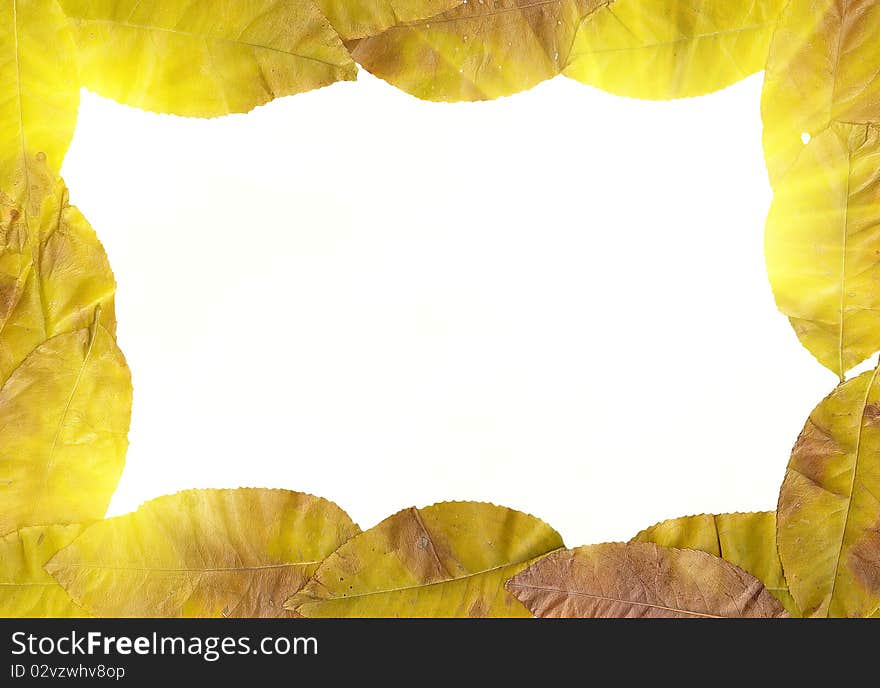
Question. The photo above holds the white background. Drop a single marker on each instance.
(555, 301)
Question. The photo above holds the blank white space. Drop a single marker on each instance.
(555, 301)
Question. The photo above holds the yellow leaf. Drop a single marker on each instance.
(640, 579)
(745, 540)
(26, 589)
(823, 245)
(202, 553)
(205, 59)
(446, 560)
(359, 18)
(829, 513)
(662, 49)
(822, 68)
(64, 416)
(479, 50)
(39, 87)
(53, 270)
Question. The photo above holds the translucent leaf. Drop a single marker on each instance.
(359, 18)
(640, 579)
(745, 540)
(39, 86)
(202, 553)
(643, 48)
(53, 270)
(479, 50)
(446, 560)
(662, 49)
(64, 416)
(822, 68)
(205, 59)
(829, 513)
(823, 245)
(26, 589)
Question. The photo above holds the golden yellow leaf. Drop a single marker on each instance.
(446, 560)
(205, 59)
(640, 579)
(53, 270)
(823, 245)
(359, 18)
(822, 68)
(39, 86)
(202, 553)
(745, 540)
(64, 416)
(26, 589)
(829, 512)
(662, 49)
(479, 50)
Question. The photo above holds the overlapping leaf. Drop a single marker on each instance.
(745, 540)
(640, 579)
(822, 68)
(208, 58)
(54, 273)
(39, 86)
(829, 512)
(662, 49)
(203, 553)
(446, 560)
(26, 589)
(64, 415)
(822, 245)
(642, 48)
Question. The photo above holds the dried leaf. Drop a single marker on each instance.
(202, 553)
(205, 59)
(53, 270)
(39, 86)
(26, 590)
(642, 48)
(822, 68)
(446, 560)
(64, 416)
(745, 540)
(359, 18)
(823, 245)
(829, 513)
(479, 50)
(640, 579)
(662, 49)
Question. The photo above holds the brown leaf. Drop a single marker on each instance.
(640, 579)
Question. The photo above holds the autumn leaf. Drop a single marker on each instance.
(26, 590)
(360, 18)
(640, 48)
(822, 68)
(39, 85)
(479, 50)
(202, 553)
(53, 270)
(205, 59)
(446, 560)
(64, 415)
(822, 245)
(640, 579)
(745, 540)
(661, 49)
(829, 513)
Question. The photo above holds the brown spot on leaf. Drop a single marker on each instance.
(812, 452)
(478, 610)
(864, 561)
(872, 413)
(14, 214)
